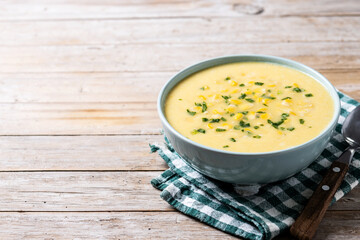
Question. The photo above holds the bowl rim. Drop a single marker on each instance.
(266, 58)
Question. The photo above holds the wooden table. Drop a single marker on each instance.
(78, 87)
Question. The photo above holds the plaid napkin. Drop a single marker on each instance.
(262, 215)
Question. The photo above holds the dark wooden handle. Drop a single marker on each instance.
(307, 223)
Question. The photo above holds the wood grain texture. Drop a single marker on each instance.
(168, 57)
(203, 30)
(83, 9)
(83, 153)
(116, 87)
(144, 225)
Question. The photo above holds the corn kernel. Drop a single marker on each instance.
(291, 112)
(251, 82)
(233, 83)
(210, 95)
(296, 85)
(288, 100)
(266, 101)
(217, 96)
(216, 111)
(230, 109)
(259, 100)
(206, 87)
(224, 90)
(202, 97)
(264, 116)
(197, 108)
(210, 126)
(279, 132)
(235, 101)
(238, 116)
(272, 85)
(247, 129)
(235, 91)
(248, 92)
(262, 109)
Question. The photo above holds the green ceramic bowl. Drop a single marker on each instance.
(247, 168)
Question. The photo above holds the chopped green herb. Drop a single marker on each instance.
(242, 130)
(302, 121)
(225, 97)
(259, 83)
(309, 95)
(205, 119)
(262, 125)
(190, 112)
(291, 129)
(256, 127)
(282, 128)
(244, 124)
(200, 130)
(232, 114)
(220, 130)
(180, 99)
(237, 127)
(215, 120)
(227, 78)
(298, 89)
(260, 112)
(202, 88)
(265, 105)
(245, 112)
(268, 90)
(250, 100)
(286, 98)
(198, 104)
(223, 119)
(275, 124)
(268, 97)
(242, 96)
(226, 146)
(284, 116)
(232, 139)
(204, 107)
(242, 85)
(257, 136)
(288, 86)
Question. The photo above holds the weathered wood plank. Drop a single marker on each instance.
(110, 87)
(79, 118)
(33, 10)
(148, 225)
(89, 191)
(105, 226)
(167, 57)
(251, 30)
(34, 153)
(80, 191)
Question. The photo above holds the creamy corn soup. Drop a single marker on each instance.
(249, 107)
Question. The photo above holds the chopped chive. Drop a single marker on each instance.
(268, 97)
(269, 90)
(223, 119)
(205, 119)
(245, 112)
(282, 128)
(232, 114)
(242, 85)
(298, 89)
(302, 121)
(204, 107)
(284, 116)
(220, 130)
(262, 125)
(257, 136)
(242, 96)
(256, 127)
(227, 78)
(225, 97)
(200, 130)
(244, 124)
(250, 100)
(291, 129)
(242, 130)
(202, 88)
(226, 146)
(309, 95)
(265, 105)
(190, 112)
(198, 104)
(215, 120)
(260, 112)
(275, 124)
(286, 98)
(237, 127)
(259, 83)
(232, 139)
(180, 99)
(288, 86)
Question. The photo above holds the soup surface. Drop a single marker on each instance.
(249, 107)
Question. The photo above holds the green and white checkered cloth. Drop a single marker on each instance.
(264, 214)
